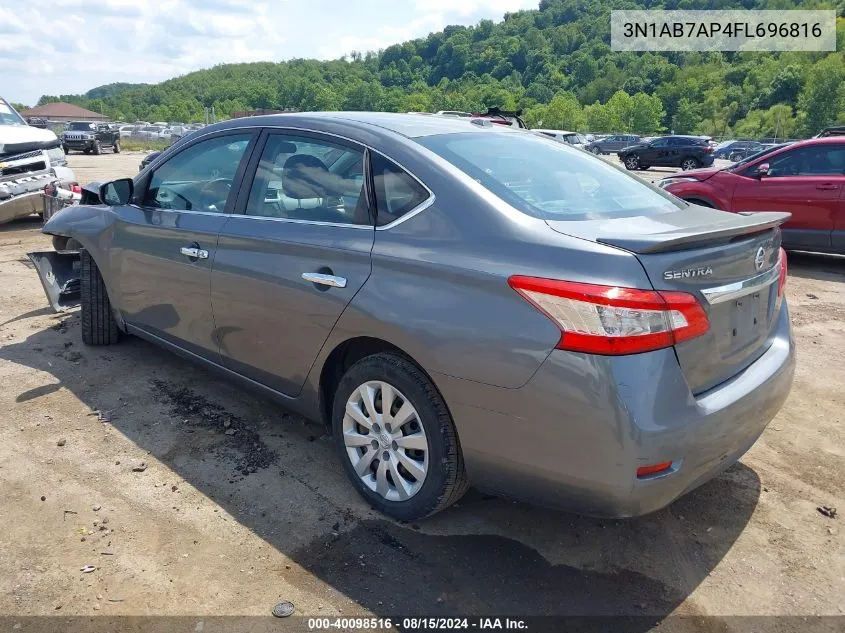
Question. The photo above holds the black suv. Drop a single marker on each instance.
(686, 152)
(89, 136)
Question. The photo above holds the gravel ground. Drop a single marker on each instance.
(190, 496)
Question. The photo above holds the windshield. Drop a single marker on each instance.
(81, 125)
(8, 116)
(549, 180)
(763, 152)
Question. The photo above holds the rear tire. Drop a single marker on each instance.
(116, 147)
(444, 480)
(98, 324)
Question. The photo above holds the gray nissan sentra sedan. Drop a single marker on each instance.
(463, 304)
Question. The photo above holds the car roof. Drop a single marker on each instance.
(409, 125)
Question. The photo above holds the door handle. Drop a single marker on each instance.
(827, 185)
(193, 252)
(325, 280)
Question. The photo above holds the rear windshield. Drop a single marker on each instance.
(549, 180)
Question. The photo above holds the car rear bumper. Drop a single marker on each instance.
(574, 436)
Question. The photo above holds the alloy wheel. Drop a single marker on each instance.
(385, 441)
(689, 163)
(632, 162)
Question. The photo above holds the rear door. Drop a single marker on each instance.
(291, 260)
(806, 181)
(164, 244)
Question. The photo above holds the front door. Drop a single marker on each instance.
(807, 182)
(165, 244)
(288, 266)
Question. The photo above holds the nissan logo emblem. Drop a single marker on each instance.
(760, 258)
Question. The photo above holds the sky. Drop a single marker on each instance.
(70, 46)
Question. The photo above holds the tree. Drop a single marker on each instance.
(821, 99)
(686, 119)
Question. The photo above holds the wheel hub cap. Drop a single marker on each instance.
(385, 441)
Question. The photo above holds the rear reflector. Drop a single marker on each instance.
(611, 320)
(782, 278)
(645, 471)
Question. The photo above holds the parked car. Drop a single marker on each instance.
(612, 144)
(686, 152)
(153, 132)
(30, 159)
(806, 178)
(503, 117)
(90, 137)
(127, 130)
(572, 138)
(146, 160)
(600, 345)
(836, 130)
(725, 149)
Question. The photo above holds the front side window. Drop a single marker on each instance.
(397, 192)
(199, 178)
(549, 180)
(311, 179)
(660, 142)
(817, 160)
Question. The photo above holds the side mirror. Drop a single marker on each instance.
(762, 170)
(117, 192)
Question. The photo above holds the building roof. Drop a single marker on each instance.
(63, 111)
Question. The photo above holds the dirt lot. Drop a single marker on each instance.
(223, 522)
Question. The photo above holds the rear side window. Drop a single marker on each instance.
(397, 192)
(549, 180)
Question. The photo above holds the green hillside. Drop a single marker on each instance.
(554, 63)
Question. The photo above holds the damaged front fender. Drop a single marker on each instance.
(60, 276)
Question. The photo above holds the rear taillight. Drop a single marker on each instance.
(612, 320)
(708, 149)
(782, 279)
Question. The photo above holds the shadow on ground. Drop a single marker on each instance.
(816, 266)
(486, 556)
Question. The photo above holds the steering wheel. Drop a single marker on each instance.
(215, 193)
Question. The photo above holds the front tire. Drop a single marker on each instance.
(596, 151)
(116, 147)
(403, 456)
(632, 162)
(97, 148)
(98, 324)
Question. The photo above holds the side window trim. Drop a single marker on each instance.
(140, 192)
(422, 206)
(251, 171)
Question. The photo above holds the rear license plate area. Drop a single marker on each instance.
(748, 320)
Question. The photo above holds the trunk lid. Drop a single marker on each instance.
(730, 262)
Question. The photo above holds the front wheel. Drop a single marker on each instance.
(98, 324)
(116, 146)
(689, 163)
(396, 438)
(632, 162)
(596, 151)
(97, 147)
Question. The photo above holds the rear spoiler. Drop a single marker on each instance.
(735, 225)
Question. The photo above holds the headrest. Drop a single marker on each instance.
(305, 176)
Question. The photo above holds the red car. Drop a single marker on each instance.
(806, 178)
